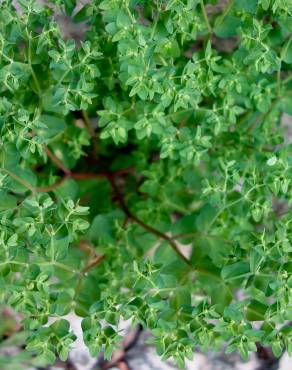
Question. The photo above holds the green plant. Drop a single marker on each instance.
(140, 173)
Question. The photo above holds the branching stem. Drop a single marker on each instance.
(145, 226)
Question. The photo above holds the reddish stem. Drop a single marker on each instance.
(149, 228)
(110, 177)
(94, 262)
(46, 189)
(57, 161)
(77, 176)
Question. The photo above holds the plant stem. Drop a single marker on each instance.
(84, 175)
(145, 226)
(232, 204)
(206, 17)
(46, 189)
(163, 61)
(37, 85)
(287, 79)
(68, 175)
(20, 180)
(57, 161)
(92, 263)
(91, 131)
(262, 116)
(224, 14)
(130, 15)
(279, 83)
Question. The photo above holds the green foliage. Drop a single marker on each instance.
(141, 171)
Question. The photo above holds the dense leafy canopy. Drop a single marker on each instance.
(142, 171)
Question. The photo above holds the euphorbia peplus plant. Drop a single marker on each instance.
(141, 172)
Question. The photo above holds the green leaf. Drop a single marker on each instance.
(227, 26)
(287, 52)
(272, 161)
(277, 348)
(257, 213)
(285, 105)
(53, 126)
(84, 13)
(235, 271)
(265, 4)
(205, 217)
(256, 311)
(154, 139)
(25, 179)
(9, 156)
(248, 6)
(103, 226)
(255, 260)
(57, 248)
(182, 297)
(60, 327)
(7, 201)
(69, 6)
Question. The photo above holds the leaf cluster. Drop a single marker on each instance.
(145, 173)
